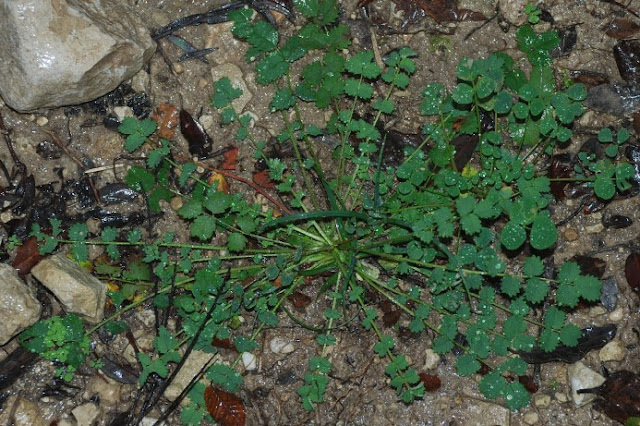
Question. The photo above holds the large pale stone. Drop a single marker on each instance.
(64, 52)
(189, 370)
(582, 377)
(18, 308)
(78, 291)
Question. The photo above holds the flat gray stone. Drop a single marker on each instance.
(78, 291)
(65, 52)
(19, 309)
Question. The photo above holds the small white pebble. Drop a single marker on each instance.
(616, 315)
(594, 229)
(541, 400)
(279, 345)
(249, 361)
(531, 418)
(431, 359)
(42, 121)
(177, 68)
(122, 111)
(613, 351)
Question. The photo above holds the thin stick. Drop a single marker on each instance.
(77, 161)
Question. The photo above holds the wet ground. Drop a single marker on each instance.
(358, 393)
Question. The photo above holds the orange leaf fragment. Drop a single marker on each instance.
(230, 158)
(262, 179)
(221, 182)
(167, 117)
(225, 408)
(27, 257)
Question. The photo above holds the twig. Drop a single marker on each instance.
(622, 6)
(78, 162)
(260, 190)
(19, 165)
(103, 168)
(254, 186)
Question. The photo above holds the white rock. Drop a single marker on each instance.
(191, 367)
(613, 351)
(531, 418)
(541, 400)
(616, 315)
(234, 74)
(18, 308)
(78, 291)
(86, 414)
(249, 361)
(122, 111)
(561, 397)
(278, 345)
(431, 359)
(25, 413)
(582, 377)
(63, 52)
(480, 413)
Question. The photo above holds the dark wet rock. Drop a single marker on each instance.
(67, 52)
(286, 377)
(627, 55)
(632, 271)
(616, 221)
(568, 40)
(115, 193)
(614, 99)
(609, 297)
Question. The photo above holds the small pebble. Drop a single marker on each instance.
(571, 234)
(613, 351)
(561, 397)
(278, 345)
(249, 361)
(594, 229)
(176, 203)
(177, 68)
(616, 315)
(531, 418)
(597, 311)
(431, 360)
(541, 400)
(42, 121)
(122, 111)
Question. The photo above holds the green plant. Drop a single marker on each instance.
(431, 235)
(60, 339)
(533, 13)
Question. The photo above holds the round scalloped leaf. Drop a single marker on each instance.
(513, 236)
(543, 233)
(463, 94)
(467, 365)
(604, 187)
(577, 92)
(516, 396)
(504, 102)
